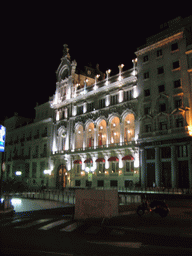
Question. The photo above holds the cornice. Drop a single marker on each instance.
(159, 43)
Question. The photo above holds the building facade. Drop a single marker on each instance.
(165, 106)
(96, 126)
(27, 150)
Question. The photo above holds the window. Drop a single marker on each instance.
(147, 110)
(145, 58)
(150, 152)
(146, 92)
(129, 166)
(146, 75)
(177, 83)
(42, 168)
(34, 170)
(148, 128)
(176, 64)
(166, 152)
(90, 106)
(159, 53)
(182, 151)
(162, 107)
(174, 47)
(179, 122)
(101, 167)
(77, 183)
(102, 103)
(100, 183)
(160, 70)
(26, 170)
(163, 125)
(77, 168)
(161, 88)
(88, 183)
(128, 95)
(115, 167)
(113, 99)
(178, 103)
(80, 110)
(113, 183)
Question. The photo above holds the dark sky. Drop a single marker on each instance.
(33, 36)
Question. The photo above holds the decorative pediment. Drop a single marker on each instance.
(177, 111)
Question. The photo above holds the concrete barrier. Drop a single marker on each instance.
(100, 203)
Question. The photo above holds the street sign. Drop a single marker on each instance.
(2, 138)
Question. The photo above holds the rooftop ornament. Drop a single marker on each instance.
(108, 73)
(120, 70)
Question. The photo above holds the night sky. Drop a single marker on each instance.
(33, 36)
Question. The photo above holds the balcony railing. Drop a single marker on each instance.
(109, 146)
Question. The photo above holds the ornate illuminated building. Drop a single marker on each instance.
(96, 127)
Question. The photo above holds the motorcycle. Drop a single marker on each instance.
(159, 207)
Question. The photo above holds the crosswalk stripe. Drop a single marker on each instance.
(54, 224)
(71, 227)
(33, 223)
(15, 221)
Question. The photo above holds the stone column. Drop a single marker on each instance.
(95, 137)
(108, 135)
(157, 167)
(173, 167)
(143, 168)
(121, 133)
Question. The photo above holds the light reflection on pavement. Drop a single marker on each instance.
(23, 205)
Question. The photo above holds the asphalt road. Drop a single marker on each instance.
(54, 235)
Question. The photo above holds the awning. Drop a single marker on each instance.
(128, 157)
(87, 161)
(77, 162)
(113, 158)
(100, 160)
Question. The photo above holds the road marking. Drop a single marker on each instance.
(71, 227)
(54, 224)
(28, 225)
(15, 221)
(120, 244)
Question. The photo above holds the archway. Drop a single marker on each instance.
(61, 177)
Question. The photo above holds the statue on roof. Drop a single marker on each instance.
(66, 51)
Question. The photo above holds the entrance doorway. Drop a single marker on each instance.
(183, 181)
(150, 174)
(166, 174)
(61, 177)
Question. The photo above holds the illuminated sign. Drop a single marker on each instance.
(2, 138)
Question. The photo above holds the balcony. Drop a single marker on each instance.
(97, 148)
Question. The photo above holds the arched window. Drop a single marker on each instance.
(115, 130)
(61, 139)
(129, 127)
(90, 135)
(79, 137)
(102, 133)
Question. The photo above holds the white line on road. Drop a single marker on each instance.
(54, 224)
(71, 227)
(28, 225)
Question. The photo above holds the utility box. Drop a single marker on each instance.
(96, 203)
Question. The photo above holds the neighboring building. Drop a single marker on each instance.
(27, 151)
(96, 127)
(165, 106)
